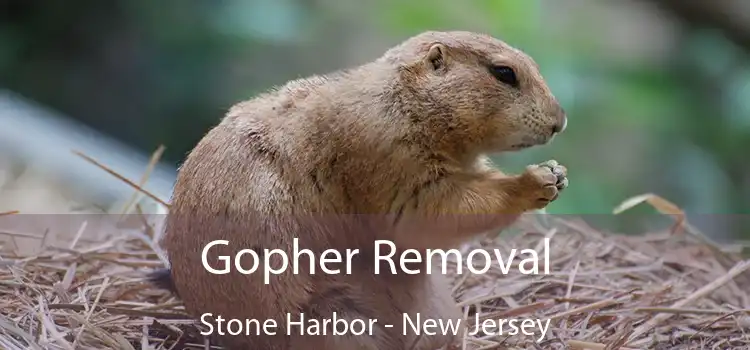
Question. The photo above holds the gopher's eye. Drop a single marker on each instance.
(505, 74)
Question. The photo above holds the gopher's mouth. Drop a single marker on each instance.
(529, 142)
(522, 146)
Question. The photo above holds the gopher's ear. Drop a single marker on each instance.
(436, 56)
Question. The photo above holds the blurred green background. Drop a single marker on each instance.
(657, 91)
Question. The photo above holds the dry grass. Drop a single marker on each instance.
(661, 290)
(602, 289)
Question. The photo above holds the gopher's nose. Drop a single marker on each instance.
(562, 121)
(560, 126)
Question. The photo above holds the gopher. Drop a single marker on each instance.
(395, 149)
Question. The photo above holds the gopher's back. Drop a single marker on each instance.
(273, 170)
(210, 202)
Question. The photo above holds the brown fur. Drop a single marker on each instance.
(393, 149)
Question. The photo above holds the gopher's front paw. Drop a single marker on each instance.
(542, 183)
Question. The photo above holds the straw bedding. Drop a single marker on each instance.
(660, 290)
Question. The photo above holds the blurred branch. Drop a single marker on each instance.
(730, 16)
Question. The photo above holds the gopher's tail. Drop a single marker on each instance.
(162, 278)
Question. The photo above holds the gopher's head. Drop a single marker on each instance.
(479, 89)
